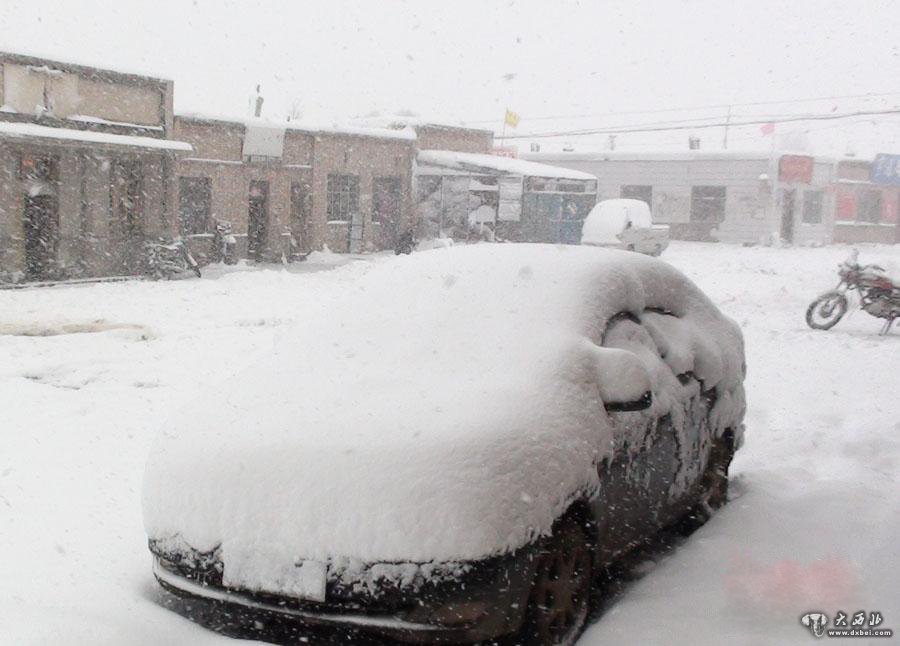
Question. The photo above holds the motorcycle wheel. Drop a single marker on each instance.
(824, 312)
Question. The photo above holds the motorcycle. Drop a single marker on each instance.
(167, 260)
(878, 296)
(406, 242)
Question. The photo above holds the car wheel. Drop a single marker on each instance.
(713, 487)
(560, 592)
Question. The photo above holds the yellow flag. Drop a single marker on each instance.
(511, 119)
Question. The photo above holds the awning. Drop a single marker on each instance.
(495, 165)
(18, 130)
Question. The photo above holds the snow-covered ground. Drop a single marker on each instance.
(88, 373)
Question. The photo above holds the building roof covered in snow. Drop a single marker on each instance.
(494, 165)
(306, 126)
(24, 130)
(396, 121)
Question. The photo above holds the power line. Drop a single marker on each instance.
(657, 127)
(702, 121)
(699, 107)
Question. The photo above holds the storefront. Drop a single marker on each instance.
(727, 196)
(76, 208)
(868, 200)
(86, 167)
(468, 196)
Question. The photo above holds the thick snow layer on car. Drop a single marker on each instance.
(609, 218)
(445, 406)
(812, 523)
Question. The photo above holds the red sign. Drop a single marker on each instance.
(795, 168)
(506, 151)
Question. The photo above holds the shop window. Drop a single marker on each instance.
(708, 204)
(343, 197)
(427, 186)
(812, 207)
(640, 192)
(194, 204)
(868, 205)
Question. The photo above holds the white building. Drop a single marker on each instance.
(719, 196)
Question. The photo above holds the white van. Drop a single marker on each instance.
(624, 224)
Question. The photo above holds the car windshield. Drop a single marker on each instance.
(428, 322)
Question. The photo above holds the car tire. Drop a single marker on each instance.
(713, 486)
(559, 603)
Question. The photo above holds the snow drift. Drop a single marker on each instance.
(444, 407)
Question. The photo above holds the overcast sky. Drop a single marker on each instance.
(338, 60)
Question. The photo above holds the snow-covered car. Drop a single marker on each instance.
(624, 224)
(451, 448)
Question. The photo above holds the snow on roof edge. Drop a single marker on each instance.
(24, 129)
(406, 134)
(393, 121)
(479, 161)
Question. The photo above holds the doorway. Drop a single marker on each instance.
(41, 225)
(788, 206)
(386, 200)
(258, 220)
(126, 227)
(356, 242)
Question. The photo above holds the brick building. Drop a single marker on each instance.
(86, 169)
(94, 165)
(291, 187)
(287, 188)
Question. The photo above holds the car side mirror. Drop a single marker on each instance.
(623, 380)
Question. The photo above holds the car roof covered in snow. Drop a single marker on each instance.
(444, 405)
(609, 218)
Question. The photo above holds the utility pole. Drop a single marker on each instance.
(727, 122)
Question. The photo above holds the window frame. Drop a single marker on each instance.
(717, 218)
(630, 188)
(342, 195)
(875, 204)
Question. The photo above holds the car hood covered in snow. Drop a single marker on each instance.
(439, 407)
